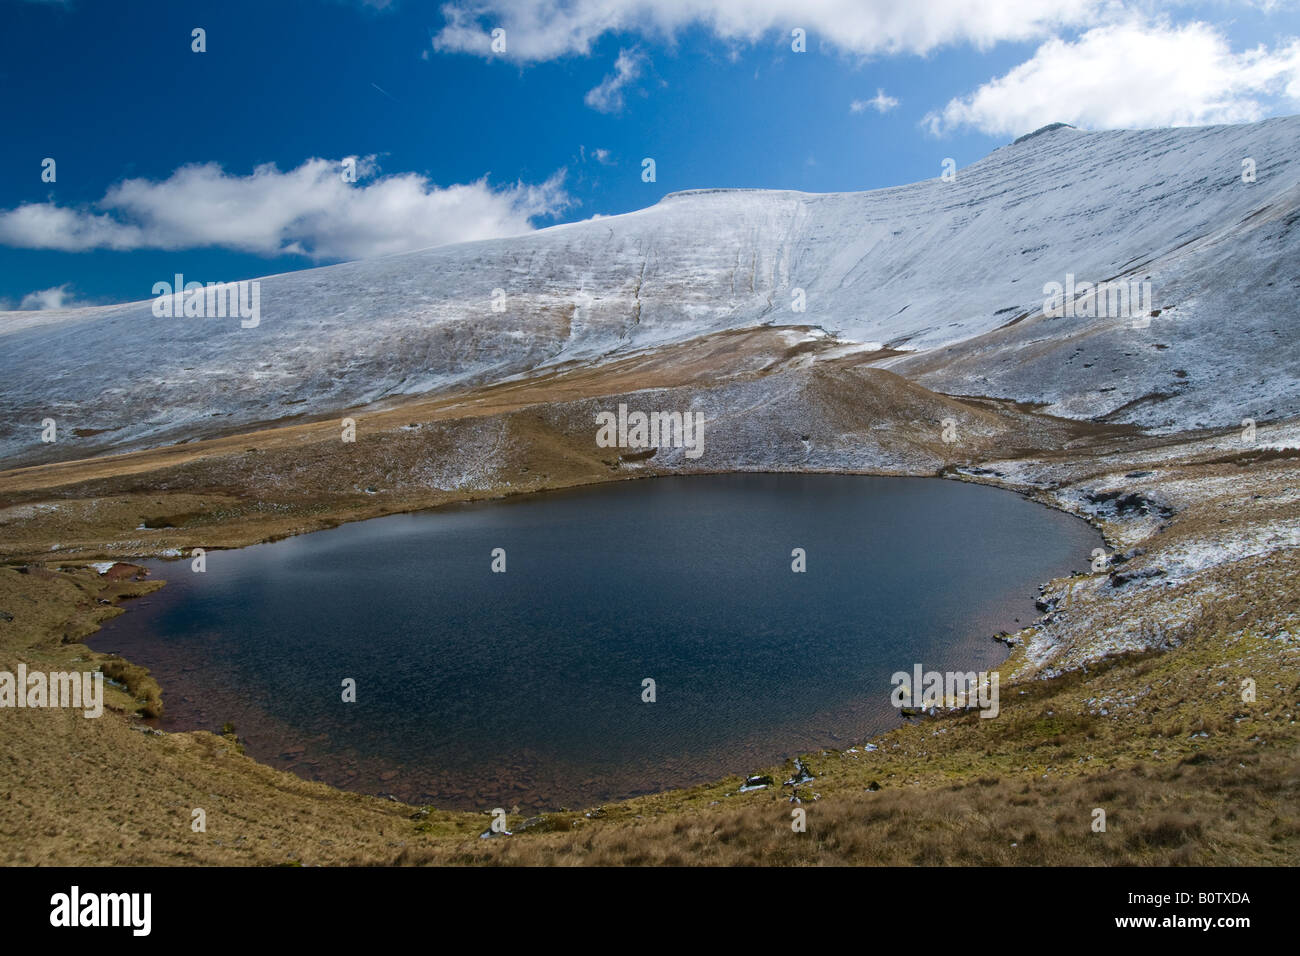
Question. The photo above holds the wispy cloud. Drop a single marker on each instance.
(607, 97)
(57, 297)
(308, 211)
(597, 154)
(548, 29)
(881, 103)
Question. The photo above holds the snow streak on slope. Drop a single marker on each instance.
(943, 269)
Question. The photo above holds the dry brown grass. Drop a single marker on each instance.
(1160, 739)
(953, 790)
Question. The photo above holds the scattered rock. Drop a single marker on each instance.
(1119, 580)
(1121, 504)
(1122, 557)
(801, 774)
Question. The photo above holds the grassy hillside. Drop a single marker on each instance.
(1125, 697)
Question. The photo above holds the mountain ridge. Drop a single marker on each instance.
(935, 268)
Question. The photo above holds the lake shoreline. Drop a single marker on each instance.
(1192, 520)
(860, 500)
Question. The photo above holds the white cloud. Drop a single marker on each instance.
(597, 154)
(608, 96)
(57, 297)
(881, 103)
(1129, 75)
(309, 210)
(548, 29)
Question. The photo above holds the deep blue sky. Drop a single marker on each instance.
(112, 91)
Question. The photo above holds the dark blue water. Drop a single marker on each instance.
(478, 689)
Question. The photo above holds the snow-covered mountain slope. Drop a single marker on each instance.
(950, 271)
